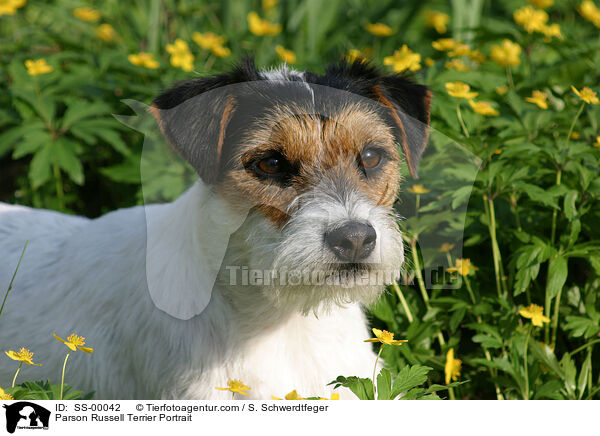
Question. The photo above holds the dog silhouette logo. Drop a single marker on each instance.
(26, 415)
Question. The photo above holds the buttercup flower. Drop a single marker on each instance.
(535, 313)
(463, 267)
(542, 3)
(444, 44)
(285, 55)
(75, 342)
(260, 26)
(9, 7)
(23, 355)
(501, 90)
(586, 95)
(5, 396)
(575, 135)
(220, 51)
(553, 30)
(208, 40)
(418, 189)
(429, 62)
(269, 4)
(235, 386)
(538, 98)
(456, 64)
(452, 367)
(379, 29)
(143, 59)
(106, 32)
(334, 396)
(477, 56)
(532, 20)
(403, 59)
(446, 247)
(507, 54)
(385, 337)
(460, 50)
(438, 20)
(87, 14)
(483, 108)
(460, 90)
(181, 55)
(590, 12)
(354, 54)
(498, 151)
(597, 143)
(37, 67)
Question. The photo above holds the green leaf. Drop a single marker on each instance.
(570, 372)
(81, 109)
(65, 156)
(557, 275)
(361, 387)
(410, 377)
(546, 356)
(384, 385)
(39, 170)
(570, 208)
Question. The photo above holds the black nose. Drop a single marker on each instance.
(352, 242)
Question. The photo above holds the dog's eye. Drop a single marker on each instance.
(370, 158)
(270, 165)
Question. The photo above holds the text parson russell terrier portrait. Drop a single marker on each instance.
(260, 271)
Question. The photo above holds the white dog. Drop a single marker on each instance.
(257, 273)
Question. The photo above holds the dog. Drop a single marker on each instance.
(257, 272)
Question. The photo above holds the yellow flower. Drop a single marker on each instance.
(539, 98)
(463, 267)
(483, 108)
(477, 56)
(75, 342)
(542, 3)
(460, 90)
(287, 56)
(260, 26)
(501, 90)
(143, 59)
(535, 313)
(460, 50)
(438, 20)
(456, 64)
(181, 55)
(269, 4)
(575, 135)
(379, 29)
(429, 62)
(533, 20)
(444, 44)
(5, 396)
(334, 396)
(550, 31)
(453, 366)
(403, 59)
(418, 189)
(37, 67)
(385, 338)
(354, 54)
(446, 247)
(87, 14)
(590, 12)
(597, 143)
(586, 95)
(208, 40)
(235, 386)
(498, 151)
(106, 32)
(23, 355)
(221, 51)
(507, 54)
(293, 396)
(9, 7)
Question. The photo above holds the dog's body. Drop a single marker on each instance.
(132, 281)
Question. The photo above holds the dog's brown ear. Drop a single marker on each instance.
(194, 116)
(409, 105)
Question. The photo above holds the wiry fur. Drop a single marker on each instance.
(110, 279)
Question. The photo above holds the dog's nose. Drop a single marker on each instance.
(352, 242)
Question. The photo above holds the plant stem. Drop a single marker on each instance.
(60, 193)
(555, 318)
(16, 374)
(555, 211)
(460, 120)
(13, 277)
(375, 369)
(526, 368)
(62, 379)
(509, 78)
(409, 315)
(583, 347)
(498, 270)
(233, 395)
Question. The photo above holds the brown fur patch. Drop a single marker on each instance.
(315, 145)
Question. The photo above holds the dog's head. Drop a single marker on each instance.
(316, 158)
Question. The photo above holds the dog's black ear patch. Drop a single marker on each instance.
(408, 102)
(194, 116)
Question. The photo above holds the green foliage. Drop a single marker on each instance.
(45, 391)
(516, 193)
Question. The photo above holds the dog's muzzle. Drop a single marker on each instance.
(353, 242)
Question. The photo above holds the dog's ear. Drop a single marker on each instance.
(194, 116)
(408, 102)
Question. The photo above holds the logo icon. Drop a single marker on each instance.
(26, 415)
